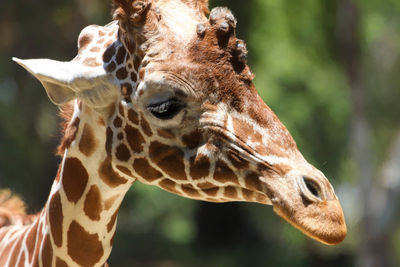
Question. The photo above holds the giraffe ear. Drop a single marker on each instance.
(65, 81)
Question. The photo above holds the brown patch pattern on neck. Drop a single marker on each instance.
(56, 218)
(169, 159)
(88, 142)
(93, 203)
(81, 244)
(75, 178)
(109, 176)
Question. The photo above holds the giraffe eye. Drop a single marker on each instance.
(165, 110)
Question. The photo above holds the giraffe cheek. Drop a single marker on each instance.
(135, 139)
(169, 159)
(224, 174)
(145, 170)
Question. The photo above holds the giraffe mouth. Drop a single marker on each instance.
(322, 219)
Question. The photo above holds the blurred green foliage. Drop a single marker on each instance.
(301, 72)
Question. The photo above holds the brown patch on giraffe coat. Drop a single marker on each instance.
(84, 248)
(169, 159)
(84, 40)
(93, 205)
(112, 221)
(22, 260)
(211, 191)
(15, 251)
(247, 194)
(123, 153)
(70, 132)
(168, 185)
(135, 139)
(253, 182)
(109, 176)
(91, 62)
(199, 167)
(124, 170)
(206, 185)
(31, 238)
(134, 76)
(109, 53)
(109, 202)
(56, 218)
(117, 122)
(191, 192)
(60, 263)
(120, 136)
(5, 251)
(136, 62)
(121, 54)
(47, 252)
(143, 168)
(260, 198)
(230, 192)
(121, 73)
(111, 67)
(145, 126)
(193, 139)
(133, 116)
(224, 174)
(75, 178)
(107, 44)
(191, 186)
(38, 242)
(88, 142)
(165, 133)
(100, 41)
(95, 49)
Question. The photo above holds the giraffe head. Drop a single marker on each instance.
(183, 114)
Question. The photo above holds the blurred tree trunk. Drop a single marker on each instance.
(373, 243)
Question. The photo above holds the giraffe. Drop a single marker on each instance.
(162, 95)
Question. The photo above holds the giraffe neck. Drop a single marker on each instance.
(77, 225)
(85, 200)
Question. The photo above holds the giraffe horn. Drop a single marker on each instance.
(64, 81)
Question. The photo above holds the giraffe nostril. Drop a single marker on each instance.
(312, 187)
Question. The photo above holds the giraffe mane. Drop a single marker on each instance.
(68, 131)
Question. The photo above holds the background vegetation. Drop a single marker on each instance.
(329, 69)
